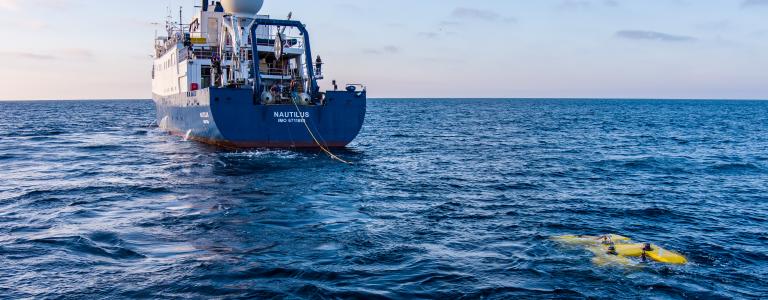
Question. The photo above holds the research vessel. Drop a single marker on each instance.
(235, 78)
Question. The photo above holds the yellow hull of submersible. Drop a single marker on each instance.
(615, 249)
(603, 259)
(589, 239)
(655, 253)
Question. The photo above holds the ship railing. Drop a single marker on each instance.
(183, 55)
(261, 40)
(208, 52)
(202, 53)
(289, 42)
(275, 71)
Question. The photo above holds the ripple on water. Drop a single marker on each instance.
(81, 245)
(735, 169)
(459, 204)
(100, 148)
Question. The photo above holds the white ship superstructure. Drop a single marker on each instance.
(215, 49)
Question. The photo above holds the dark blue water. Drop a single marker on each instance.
(446, 199)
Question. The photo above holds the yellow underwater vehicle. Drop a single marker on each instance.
(616, 249)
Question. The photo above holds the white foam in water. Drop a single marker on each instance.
(163, 123)
(329, 247)
(180, 207)
(283, 154)
(221, 163)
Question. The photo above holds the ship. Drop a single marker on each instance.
(235, 78)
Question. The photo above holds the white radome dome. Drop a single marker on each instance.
(247, 8)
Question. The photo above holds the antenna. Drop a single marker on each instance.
(290, 15)
(181, 10)
(168, 20)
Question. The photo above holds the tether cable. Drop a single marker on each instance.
(322, 147)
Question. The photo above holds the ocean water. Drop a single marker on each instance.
(445, 199)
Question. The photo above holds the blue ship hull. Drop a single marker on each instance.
(228, 117)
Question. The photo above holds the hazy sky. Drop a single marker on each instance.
(78, 49)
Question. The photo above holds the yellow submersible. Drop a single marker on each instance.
(617, 249)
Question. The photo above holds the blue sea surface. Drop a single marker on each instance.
(445, 199)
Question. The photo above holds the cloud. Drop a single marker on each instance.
(396, 25)
(382, 50)
(444, 28)
(462, 15)
(479, 14)
(348, 7)
(449, 23)
(391, 49)
(62, 54)
(574, 4)
(76, 53)
(753, 3)
(26, 24)
(570, 5)
(27, 55)
(429, 35)
(721, 25)
(760, 33)
(471, 13)
(653, 36)
(15, 5)
(11, 5)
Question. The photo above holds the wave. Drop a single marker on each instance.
(101, 147)
(80, 245)
(428, 211)
(393, 255)
(514, 186)
(734, 168)
(35, 133)
(669, 165)
(79, 193)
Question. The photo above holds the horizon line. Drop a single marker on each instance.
(433, 98)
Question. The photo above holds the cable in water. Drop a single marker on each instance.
(325, 149)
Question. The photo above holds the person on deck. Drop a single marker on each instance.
(274, 90)
(294, 88)
(319, 66)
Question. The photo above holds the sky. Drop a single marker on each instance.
(694, 49)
